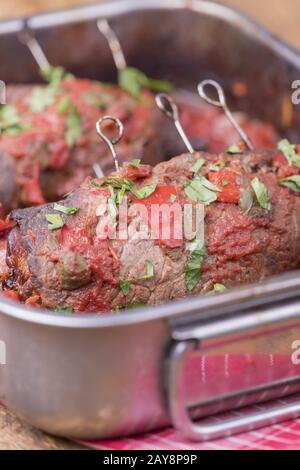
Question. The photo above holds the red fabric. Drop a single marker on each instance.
(283, 436)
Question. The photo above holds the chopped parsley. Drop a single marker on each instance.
(144, 191)
(44, 97)
(133, 81)
(65, 210)
(64, 106)
(218, 288)
(74, 129)
(126, 185)
(289, 151)
(149, 272)
(201, 190)
(68, 310)
(172, 198)
(120, 194)
(135, 163)
(125, 286)
(261, 194)
(194, 263)
(9, 114)
(10, 121)
(216, 167)
(198, 165)
(293, 183)
(55, 221)
(54, 75)
(234, 149)
(225, 182)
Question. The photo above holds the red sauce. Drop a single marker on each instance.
(160, 197)
(232, 238)
(226, 180)
(10, 294)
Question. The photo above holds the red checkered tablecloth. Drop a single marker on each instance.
(284, 436)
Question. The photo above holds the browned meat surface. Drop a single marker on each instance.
(49, 132)
(251, 232)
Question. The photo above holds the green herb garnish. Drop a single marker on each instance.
(54, 75)
(144, 191)
(194, 263)
(219, 288)
(225, 182)
(121, 194)
(202, 190)
(289, 151)
(65, 210)
(172, 198)
(43, 97)
(133, 81)
(234, 149)
(65, 105)
(198, 165)
(149, 272)
(127, 185)
(216, 167)
(74, 130)
(68, 310)
(10, 121)
(135, 163)
(293, 183)
(55, 221)
(9, 114)
(125, 286)
(261, 194)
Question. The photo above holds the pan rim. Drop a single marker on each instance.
(118, 8)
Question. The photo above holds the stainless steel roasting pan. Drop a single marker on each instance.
(114, 375)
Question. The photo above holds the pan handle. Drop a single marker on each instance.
(210, 430)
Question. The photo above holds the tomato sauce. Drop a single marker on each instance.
(226, 180)
(164, 196)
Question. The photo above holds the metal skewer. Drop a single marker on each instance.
(168, 106)
(98, 170)
(111, 142)
(27, 37)
(114, 44)
(221, 103)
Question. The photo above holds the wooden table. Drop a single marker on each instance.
(282, 17)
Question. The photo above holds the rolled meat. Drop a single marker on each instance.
(49, 133)
(68, 257)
